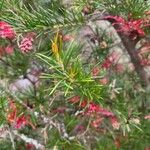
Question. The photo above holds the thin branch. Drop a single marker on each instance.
(29, 140)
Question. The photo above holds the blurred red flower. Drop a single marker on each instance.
(132, 28)
(6, 31)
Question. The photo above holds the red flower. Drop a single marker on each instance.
(21, 122)
(95, 71)
(95, 108)
(106, 64)
(131, 28)
(15, 120)
(26, 44)
(6, 31)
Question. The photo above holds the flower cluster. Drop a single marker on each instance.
(96, 111)
(26, 44)
(6, 31)
(18, 121)
(132, 28)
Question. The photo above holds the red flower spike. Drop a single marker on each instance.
(26, 45)
(94, 108)
(21, 122)
(131, 28)
(106, 64)
(15, 120)
(6, 31)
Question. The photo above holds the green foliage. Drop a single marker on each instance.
(64, 75)
(135, 8)
(3, 105)
(12, 66)
(39, 19)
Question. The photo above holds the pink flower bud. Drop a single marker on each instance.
(26, 44)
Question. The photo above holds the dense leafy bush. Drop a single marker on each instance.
(64, 84)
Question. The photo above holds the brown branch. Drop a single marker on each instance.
(135, 59)
(130, 46)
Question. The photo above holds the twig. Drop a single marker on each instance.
(29, 140)
(11, 138)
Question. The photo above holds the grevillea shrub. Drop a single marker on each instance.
(63, 82)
